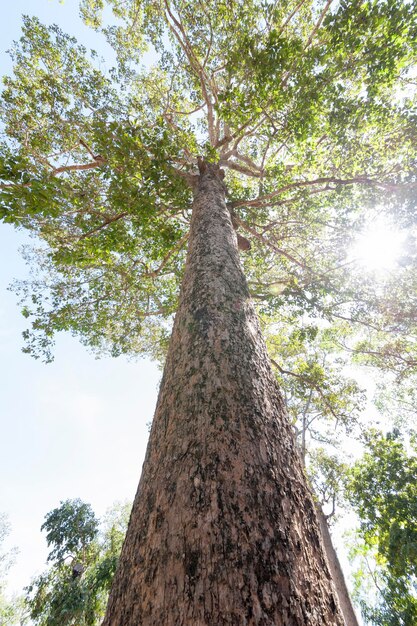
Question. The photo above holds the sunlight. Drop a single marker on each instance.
(378, 247)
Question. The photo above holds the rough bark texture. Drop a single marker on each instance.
(336, 571)
(223, 529)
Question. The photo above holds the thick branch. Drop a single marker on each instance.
(291, 15)
(239, 134)
(268, 243)
(248, 161)
(361, 180)
(77, 168)
(176, 28)
(240, 168)
(59, 170)
(319, 22)
(11, 185)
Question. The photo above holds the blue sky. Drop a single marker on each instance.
(76, 427)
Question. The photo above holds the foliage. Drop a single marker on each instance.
(311, 368)
(6, 558)
(70, 530)
(74, 592)
(309, 107)
(325, 404)
(11, 609)
(383, 489)
(327, 472)
(398, 402)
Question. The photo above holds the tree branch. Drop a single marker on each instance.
(167, 258)
(239, 168)
(268, 243)
(319, 22)
(176, 28)
(99, 160)
(289, 18)
(108, 221)
(361, 180)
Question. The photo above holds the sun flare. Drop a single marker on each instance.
(378, 247)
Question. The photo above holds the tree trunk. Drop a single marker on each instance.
(336, 571)
(223, 530)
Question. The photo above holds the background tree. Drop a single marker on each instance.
(311, 366)
(74, 590)
(12, 610)
(70, 530)
(382, 489)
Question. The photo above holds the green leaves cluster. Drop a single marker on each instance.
(383, 490)
(83, 560)
(311, 372)
(70, 530)
(388, 508)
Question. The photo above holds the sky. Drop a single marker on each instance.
(76, 428)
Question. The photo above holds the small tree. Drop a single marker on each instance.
(74, 591)
(12, 610)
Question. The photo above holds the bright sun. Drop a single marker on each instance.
(378, 247)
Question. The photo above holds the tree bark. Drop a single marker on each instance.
(223, 530)
(336, 571)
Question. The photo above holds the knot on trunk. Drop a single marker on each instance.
(242, 243)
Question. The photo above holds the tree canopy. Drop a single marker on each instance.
(309, 106)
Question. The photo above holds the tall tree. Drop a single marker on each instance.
(309, 107)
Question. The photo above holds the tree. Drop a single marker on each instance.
(322, 400)
(75, 589)
(11, 610)
(70, 530)
(309, 107)
(382, 488)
